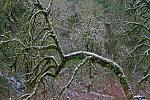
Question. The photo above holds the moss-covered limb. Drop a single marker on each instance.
(48, 9)
(60, 51)
(51, 46)
(31, 23)
(3, 36)
(54, 46)
(37, 36)
(30, 95)
(104, 63)
(36, 68)
(73, 76)
(49, 59)
(39, 5)
(33, 82)
(48, 47)
(145, 78)
(46, 34)
(53, 35)
(45, 71)
(60, 66)
(35, 14)
(41, 10)
(2, 43)
(82, 54)
(122, 79)
(36, 72)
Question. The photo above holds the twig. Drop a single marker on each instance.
(144, 78)
(139, 24)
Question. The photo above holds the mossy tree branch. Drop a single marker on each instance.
(107, 63)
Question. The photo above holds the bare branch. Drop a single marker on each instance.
(138, 47)
(74, 73)
(144, 78)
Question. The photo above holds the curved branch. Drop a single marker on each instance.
(30, 95)
(104, 62)
(40, 7)
(39, 33)
(48, 58)
(57, 44)
(31, 22)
